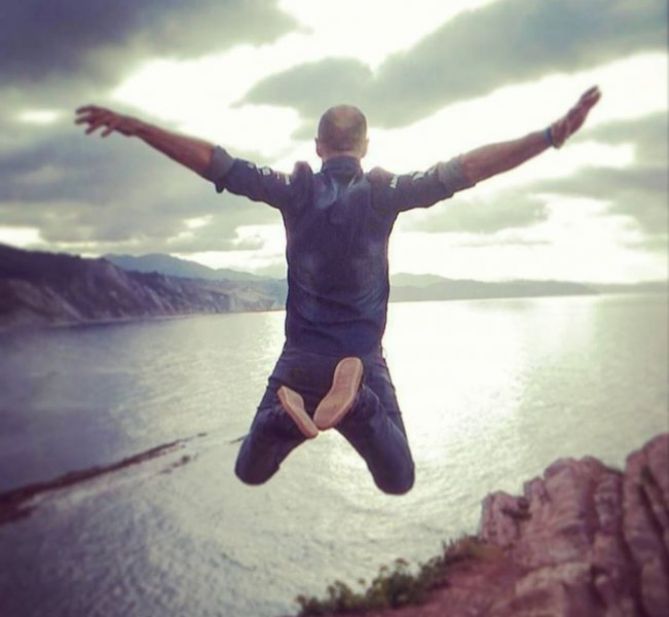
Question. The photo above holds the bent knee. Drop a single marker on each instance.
(399, 484)
(252, 476)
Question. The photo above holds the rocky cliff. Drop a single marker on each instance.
(38, 288)
(583, 540)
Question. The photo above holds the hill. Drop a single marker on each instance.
(174, 266)
(40, 288)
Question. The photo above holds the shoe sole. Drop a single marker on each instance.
(293, 405)
(339, 400)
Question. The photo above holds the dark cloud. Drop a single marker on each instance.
(496, 240)
(64, 37)
(114, 191)
(648, 134)
(108, 195)
(476, 52)
(478, 216)
(638, 191)
(314, 87)
(658, 243)
(63, 53)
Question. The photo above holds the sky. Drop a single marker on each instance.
(435, 79)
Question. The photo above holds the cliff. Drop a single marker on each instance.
(38, 288)
(583, 540)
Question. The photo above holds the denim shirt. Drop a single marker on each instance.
(338, 222)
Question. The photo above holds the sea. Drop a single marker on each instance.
(492, 392)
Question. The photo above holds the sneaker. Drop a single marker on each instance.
(339, 400)
(293, 405)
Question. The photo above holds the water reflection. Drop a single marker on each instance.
(492, 391)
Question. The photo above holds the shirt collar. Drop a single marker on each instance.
(344, 164)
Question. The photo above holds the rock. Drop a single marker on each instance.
(584, 540)
(38, 288)
(588, 539)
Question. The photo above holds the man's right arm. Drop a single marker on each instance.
(195, 154)
(211, 162)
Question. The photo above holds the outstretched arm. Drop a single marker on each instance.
(188, 151)
(493, 159)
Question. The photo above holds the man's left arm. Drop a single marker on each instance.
(193, 153)
(494, 159)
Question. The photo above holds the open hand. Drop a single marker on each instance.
(570, 123)
(97, 117)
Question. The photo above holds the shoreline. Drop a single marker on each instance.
(111, 321)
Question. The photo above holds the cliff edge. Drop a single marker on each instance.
(583, 540)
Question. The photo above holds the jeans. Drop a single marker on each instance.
(373, 426)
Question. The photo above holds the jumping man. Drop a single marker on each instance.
(331, 372)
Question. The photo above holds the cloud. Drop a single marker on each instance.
(85, 192)
(313, 87)
(638, 191)
(116, 195)
(478, 216)
(116, 192)
(61, 37)
(62, 53)
(471, 55)
(648, 134)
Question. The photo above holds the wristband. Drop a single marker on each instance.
(548, 134)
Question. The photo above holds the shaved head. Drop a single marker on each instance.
(343, 128)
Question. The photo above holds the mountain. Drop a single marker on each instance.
(415, 280)
(39, 288)
(419, 287)
(646, 286)
(173, 266)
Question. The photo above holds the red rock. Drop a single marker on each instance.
(584, 540)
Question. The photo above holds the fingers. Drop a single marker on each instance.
(588, 100)
(590, 97)
(566, 126)
(96, 123)
(112, 126)
(85, 108)
(97, 117)
(84, 114)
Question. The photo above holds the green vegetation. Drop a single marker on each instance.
(396, 586)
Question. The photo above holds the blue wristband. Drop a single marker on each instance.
(548, 134)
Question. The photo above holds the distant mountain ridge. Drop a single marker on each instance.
(404, 286)
(39, 288)
(174, 266)
(458, 289)
(424, 287)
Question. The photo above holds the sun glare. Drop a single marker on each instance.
(374, 28)
(39, 116)
(20, 236)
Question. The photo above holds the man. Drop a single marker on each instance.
(331, 372)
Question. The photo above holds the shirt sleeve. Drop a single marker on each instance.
(242, 177)
(420, 189)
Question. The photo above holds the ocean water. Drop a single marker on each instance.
(492, 392)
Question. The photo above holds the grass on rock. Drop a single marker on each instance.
(394, 586)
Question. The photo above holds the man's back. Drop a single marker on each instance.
(337, 253)
(337, 222)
